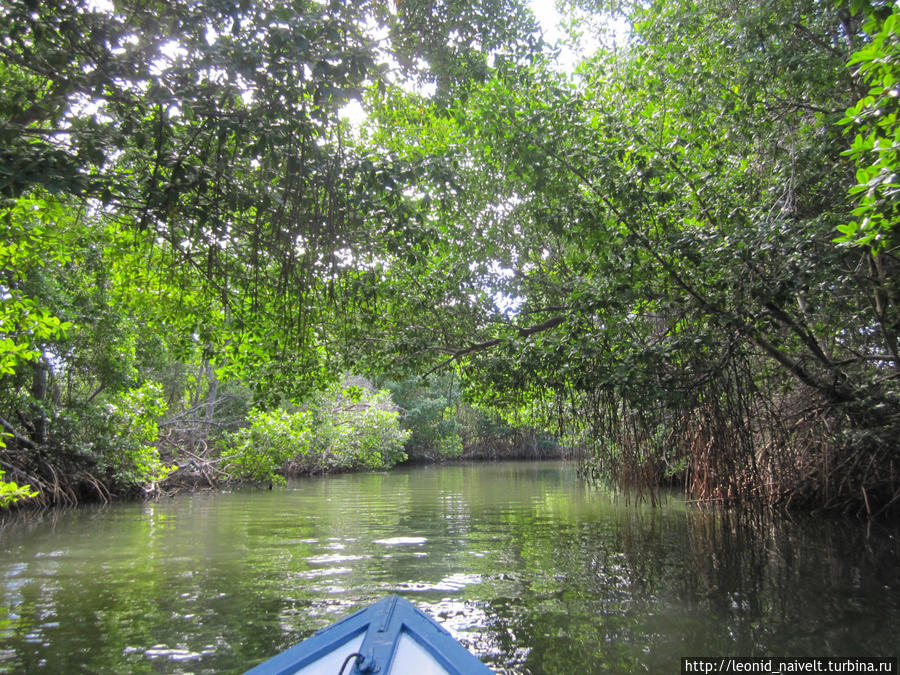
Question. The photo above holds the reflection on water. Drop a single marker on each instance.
(530, 570)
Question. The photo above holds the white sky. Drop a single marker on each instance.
(549, 18)
(554, 32)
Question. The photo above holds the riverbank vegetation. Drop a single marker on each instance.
(679, 259)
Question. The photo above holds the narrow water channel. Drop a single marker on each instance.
(532, 571)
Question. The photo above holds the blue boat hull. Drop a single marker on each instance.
(389, 637)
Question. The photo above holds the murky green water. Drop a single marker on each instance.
(533, 572)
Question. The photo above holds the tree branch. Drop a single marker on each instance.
(835, 394)
(16, 435)
(521, 332)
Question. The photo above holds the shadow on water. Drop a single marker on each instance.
(638, 594)
(528, 568)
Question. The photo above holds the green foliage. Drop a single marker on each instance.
(662, 223)
(622, 253)
(429, 414)
(258, 452)
(443, 425)
(356, 427)
(342, 429)
(12, 493)
(209, 141)
(30, 241)
(181, 195)
(133, 417)
(449, 445)
(875, 147)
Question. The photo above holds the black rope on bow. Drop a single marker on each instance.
(355, 655)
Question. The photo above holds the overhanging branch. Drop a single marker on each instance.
(16, 435)
(521, 332)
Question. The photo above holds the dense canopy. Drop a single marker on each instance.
(679, 259)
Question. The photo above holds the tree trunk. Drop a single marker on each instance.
(211, 398)
(39, 394)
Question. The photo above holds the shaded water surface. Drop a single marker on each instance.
(529, 569)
